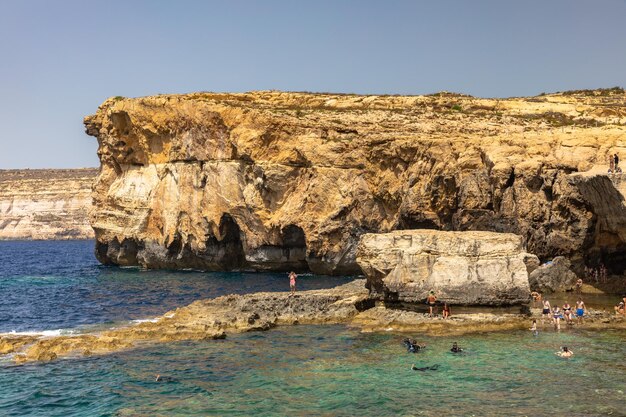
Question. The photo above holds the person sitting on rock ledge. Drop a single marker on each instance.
(536, 296)
(620, 308)
(455, 348)
(446, 310)
(431, 300)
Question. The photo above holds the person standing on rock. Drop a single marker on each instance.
(292, 282)
(545, 313)
(431, 300)
(616, 159)
(580, 309)
(611, 164)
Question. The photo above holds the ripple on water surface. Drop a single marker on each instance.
(332, 370)
(60, 285)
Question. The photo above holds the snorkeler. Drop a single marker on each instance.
(412, 345)
(455, 348)
(425, 368)
(164, 378)
(565, 352)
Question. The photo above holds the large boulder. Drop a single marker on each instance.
(463, 268)
(554, 276)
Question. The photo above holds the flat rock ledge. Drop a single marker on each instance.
(215, 318)
(201, 320)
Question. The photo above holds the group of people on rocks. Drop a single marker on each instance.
(614, 164)
(555, 313)
(599, 274)
(431, 301)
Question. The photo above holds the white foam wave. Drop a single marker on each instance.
(146, 320)
(45, 333)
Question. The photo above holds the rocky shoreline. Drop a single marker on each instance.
(216, 318)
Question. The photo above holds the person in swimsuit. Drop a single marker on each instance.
(536, 298)
(579, 286)
(292, 281)
(565, 352)
(533, 327)
(620, 308)
(431, 300)
(567, 312)
(545, 313)
(446, 310)
(580, 310)
(556, 317)
(455, 348)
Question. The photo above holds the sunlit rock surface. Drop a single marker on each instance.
(467, 268)
(46, 203)
(277, 181)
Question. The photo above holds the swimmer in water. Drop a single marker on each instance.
(412, 346)
(163, 378)
(533, 327)
(425, 368)
(565, 352)
(455, 348)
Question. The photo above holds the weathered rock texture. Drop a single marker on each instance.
(202, 320)
(553, 276)
(271, 180)
(46, 203)
(467, 268)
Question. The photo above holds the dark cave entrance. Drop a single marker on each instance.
(294, 247)
(225, 252)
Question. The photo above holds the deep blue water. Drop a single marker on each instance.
(55, 285)
(288, 371)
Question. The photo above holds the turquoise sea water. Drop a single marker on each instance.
(319, 370)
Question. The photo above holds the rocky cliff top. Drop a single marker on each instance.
(46, 203)
(291, 180)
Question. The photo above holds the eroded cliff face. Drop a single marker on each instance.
(276, 181)
(46, 203)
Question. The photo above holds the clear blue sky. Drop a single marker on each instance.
(60, 59)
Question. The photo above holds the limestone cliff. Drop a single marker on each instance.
(462, 268)
(272, 180)
(46, 203)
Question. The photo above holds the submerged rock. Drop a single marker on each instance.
(467, 268)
